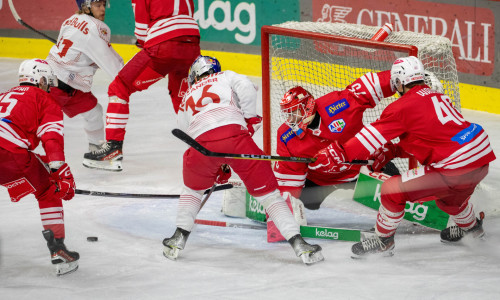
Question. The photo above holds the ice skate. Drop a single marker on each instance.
(175, 243)
(65, 261)
(454, 233)
(108, 157)
(309, 254)
(373, 245)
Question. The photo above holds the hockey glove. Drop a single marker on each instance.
(64, 181)
(223, 174)
(384, 155)
(253, 124)
(329, 160)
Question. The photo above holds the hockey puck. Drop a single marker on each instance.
(91, 239)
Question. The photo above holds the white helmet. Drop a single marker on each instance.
(32, 70)
(201, 66)
(406, 70)
(86, 3)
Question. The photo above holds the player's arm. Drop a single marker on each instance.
(371, 88)
(101, 52)
(50, 130)
(246, 93)
(141, 16)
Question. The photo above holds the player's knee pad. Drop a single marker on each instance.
(94, 118)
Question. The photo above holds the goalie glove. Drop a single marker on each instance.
(64, 181)
(329, 160)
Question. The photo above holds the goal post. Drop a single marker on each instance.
(324, 57)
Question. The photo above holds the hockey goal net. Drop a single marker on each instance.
(323, 57)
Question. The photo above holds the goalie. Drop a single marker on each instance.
(312, 124)
(454, 153)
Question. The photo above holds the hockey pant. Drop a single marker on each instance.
(23, 174)
(172, 58)
(77, 102)
(199, 172)
(452, 194)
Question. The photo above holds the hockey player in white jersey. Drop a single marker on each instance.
(83, 47)
(219, 112)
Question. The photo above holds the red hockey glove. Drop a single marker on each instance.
(64, 181)
(223, 174)
(330, 159)
(384, 155)
(253, 124)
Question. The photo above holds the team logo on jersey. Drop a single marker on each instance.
(337, 126)
(287, 136)
(337, 107)
(467, 134)
(104, 31)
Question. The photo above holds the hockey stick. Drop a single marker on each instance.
(310, 231)
(20, 21)
(191, 142)
(132, 195)
(208, 193)
(359, 162)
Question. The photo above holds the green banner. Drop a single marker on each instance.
(254, 210)
(367, 192)
(229, 22)
(328, 233)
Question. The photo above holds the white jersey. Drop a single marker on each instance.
(83, 47)
(217, 100)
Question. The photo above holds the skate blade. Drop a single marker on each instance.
(171, 253)
(107, 165)
(66, 268)
(312, 258)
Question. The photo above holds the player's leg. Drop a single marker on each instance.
(459, 208)
(260, 182)
(35, 178)
(198, 175)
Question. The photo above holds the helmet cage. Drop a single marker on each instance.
(203, 65)
(293, 105)
(32, 71)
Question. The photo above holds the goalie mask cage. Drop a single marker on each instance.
(323, 57)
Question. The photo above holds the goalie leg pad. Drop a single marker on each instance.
(234, 200)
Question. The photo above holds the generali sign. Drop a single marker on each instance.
(470, 29)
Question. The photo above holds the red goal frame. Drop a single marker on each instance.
(267, 30)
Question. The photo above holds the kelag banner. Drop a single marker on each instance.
(471, 29)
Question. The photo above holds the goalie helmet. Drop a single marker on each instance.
(86, 3)
(293, 105)
(33, 70)
(405, 71)
(201, 66)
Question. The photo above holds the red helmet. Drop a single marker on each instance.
(293, 105)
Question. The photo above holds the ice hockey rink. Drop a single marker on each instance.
(222, 263)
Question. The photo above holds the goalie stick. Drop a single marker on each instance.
(191, 142)
(20, 21)
(308, 231)
(133, 195)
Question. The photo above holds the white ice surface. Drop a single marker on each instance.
(221, 263)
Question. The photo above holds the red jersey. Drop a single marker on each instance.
(160, 20)
(430, 129)
(30, 115)
(341, 117)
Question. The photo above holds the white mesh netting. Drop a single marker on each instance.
(323, 66)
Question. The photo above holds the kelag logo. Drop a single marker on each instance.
(239, 21)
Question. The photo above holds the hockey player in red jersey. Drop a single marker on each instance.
(454, 153)
(29, 115)
(309, 126)
(170, 42)
(82, 48)
(219, 112)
